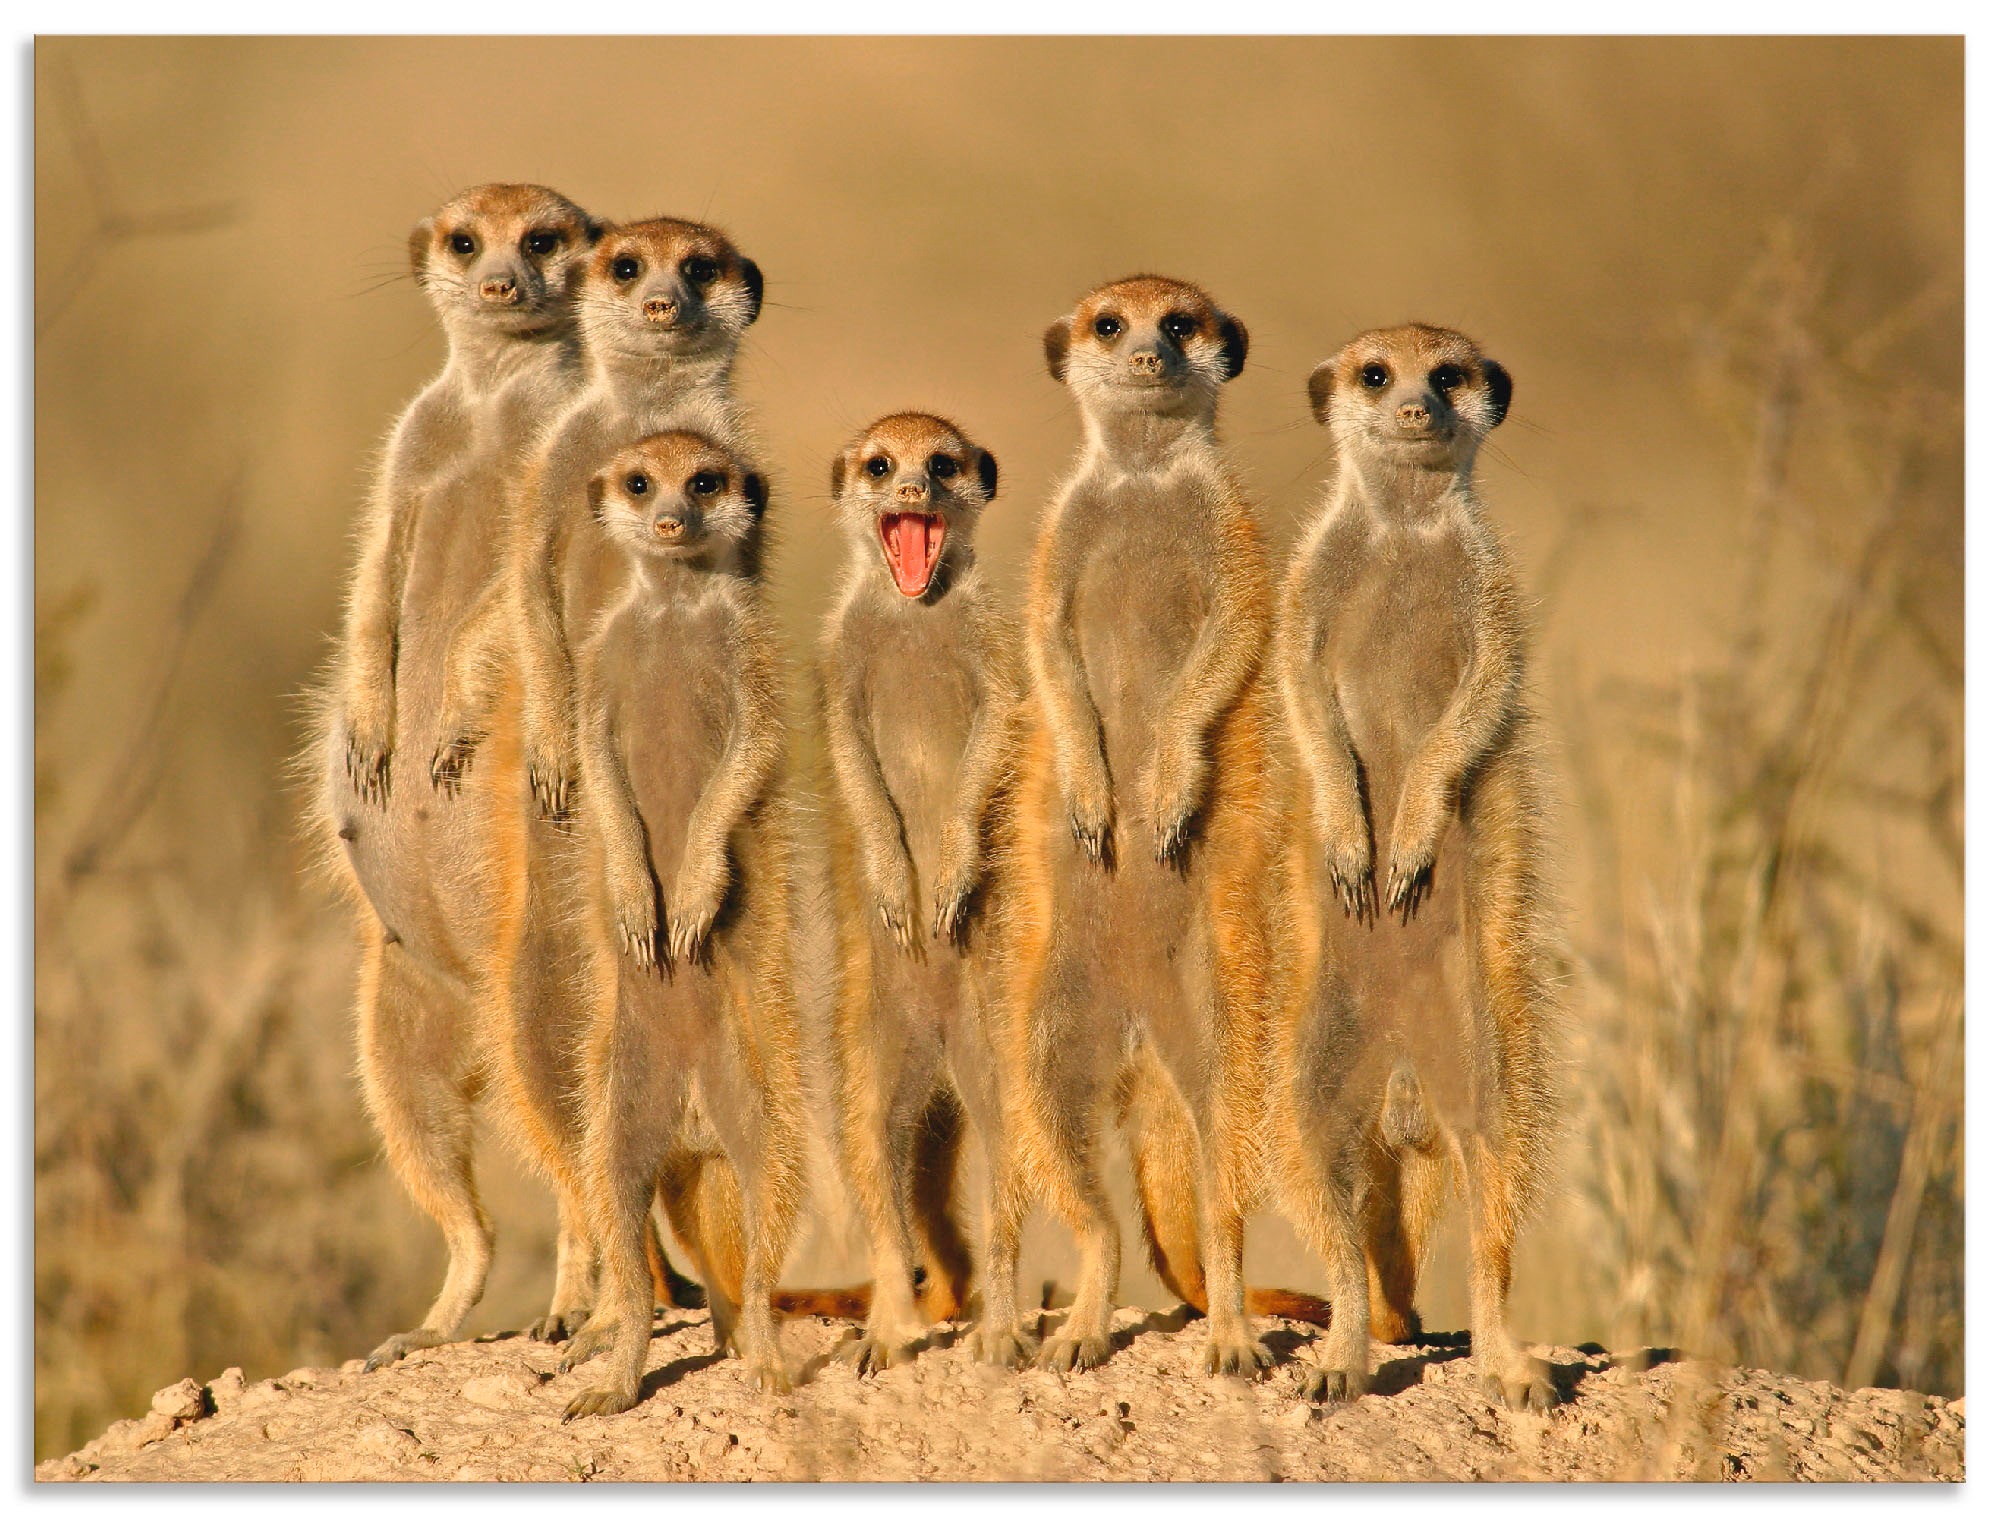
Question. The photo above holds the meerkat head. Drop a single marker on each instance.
(502, 256)
(1146, 344)
(680, 497)
(913, 485)
(668, 289)
(1415, 396)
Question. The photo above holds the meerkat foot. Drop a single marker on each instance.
(1068, 1351)
(1333, 1385)
(603, 1401)
(768, 1373)
(554, 1327)
(590, 1339)
(1238, 1355)
(1005, 1346)
(402, 1344)
(869, 1353)
(552, 786)
(1524, 1384)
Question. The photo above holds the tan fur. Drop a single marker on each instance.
(919, 703)
(1414, 1037)
(1135, 953)
(695, 1060)
(508, 731)
(497, 264)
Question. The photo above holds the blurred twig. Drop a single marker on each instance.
(112, 225)
(136, 772)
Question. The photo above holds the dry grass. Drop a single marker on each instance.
(1770, 1076)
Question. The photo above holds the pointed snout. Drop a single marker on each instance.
(661, 310)
(500, 287)
(677, 524)
(1149, 363)
(913, 490)
(1414, 414)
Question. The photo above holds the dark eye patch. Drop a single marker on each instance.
(1180, 326)
(943, 466)
(1374, 375)
(707, 482)
(463, 244)
(540, 244)
(637, 484)
(877, 466)
(625, 269)
(1107, 326)
(1447, 376)
(700, 269)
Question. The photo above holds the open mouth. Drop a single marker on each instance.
(912, 542)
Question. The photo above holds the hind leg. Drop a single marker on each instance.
(1161, 1139)
(420, 1093)
(699, 1191)
(1506, 1372)
(576, 1267)
(761, 1125)
(1069, 1165)
(1318, 1170)
(637, 1119)
(670, 1286)
(997, 1339)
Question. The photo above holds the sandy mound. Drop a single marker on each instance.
(492, 1410)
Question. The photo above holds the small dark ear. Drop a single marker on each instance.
(592, 230)
(989, 474)
(420, 244)
(1319, 389)
(1501, 383)
(1055, 348)
(1235, 346)
(754, 492)
(753, 281)
(596, 489)
(839, 482)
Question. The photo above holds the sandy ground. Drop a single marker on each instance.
(492, 1410)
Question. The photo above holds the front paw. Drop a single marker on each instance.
(635, 908)
(452, 758)
(1351, 866)
(697, 902)
(870, 1352)
(1172, 782)
(1090, 813)
(552, 777)
(368, 754)
(1235, 1353)
(951, 899)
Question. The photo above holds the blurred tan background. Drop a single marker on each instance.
(1726, 275)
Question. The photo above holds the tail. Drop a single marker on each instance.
(1276, 1301)
(846, 1303)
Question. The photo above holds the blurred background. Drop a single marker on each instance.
(1727, 276)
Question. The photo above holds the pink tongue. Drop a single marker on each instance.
(912, 557)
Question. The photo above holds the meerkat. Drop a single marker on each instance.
(497, 264)
(681, 740)
(661, 307)
(1142, 827)
(1415, 1030)
(919, 701)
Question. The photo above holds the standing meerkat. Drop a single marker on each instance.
(1414, 1039)
(497, 264)
(682, 737)
(1142, 829)
(661, 306)
(919, 700)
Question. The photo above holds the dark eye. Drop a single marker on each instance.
(637, 484)
(1374, 375)
(1107, 326)
(541, 244)
(706, 483)
(943, 466)
(1179, 326)
(699, 270)
(877, 466)
(463, 245)
(625, 270)
(1447, 376)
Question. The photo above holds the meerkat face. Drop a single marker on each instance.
(678, 496)
(669, 288)
(502, 255)
(1422, 397)
(1146, 343)
(915, 485)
